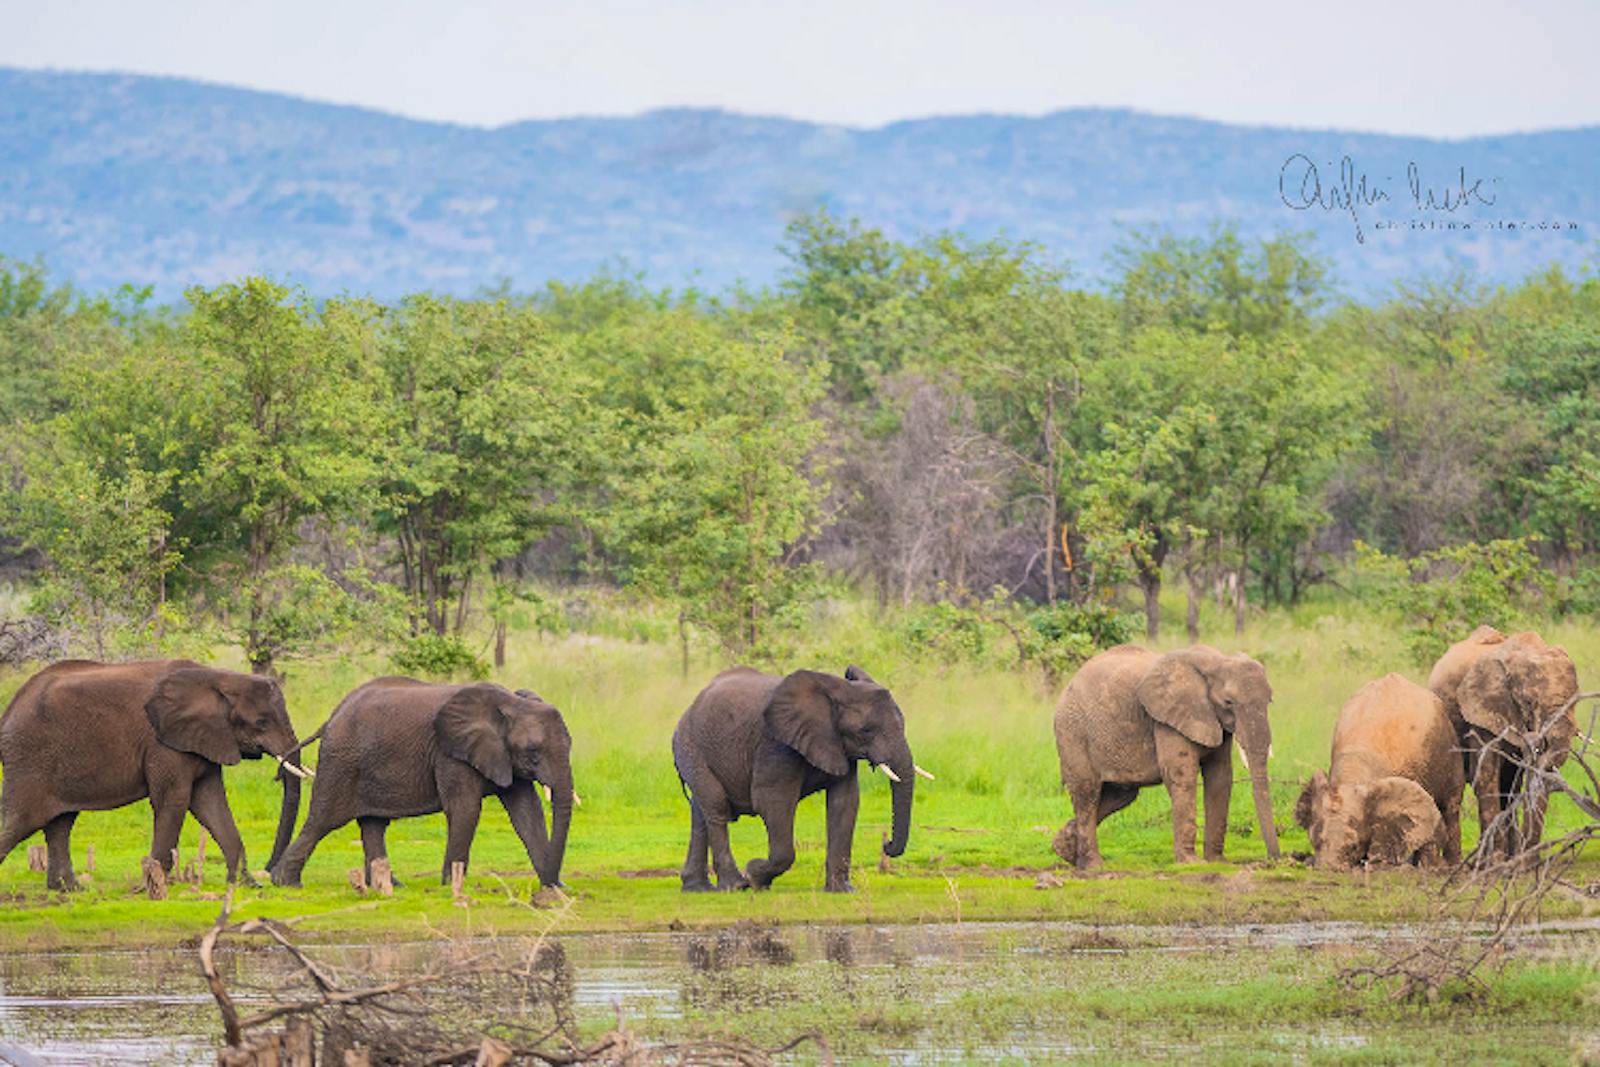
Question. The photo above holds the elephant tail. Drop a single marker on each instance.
(315, 735)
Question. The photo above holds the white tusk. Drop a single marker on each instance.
(1242, 757)
(298, 772)
(884, 767)
(576, 799)
(926, 774)
(547, 797)
(1583, 737)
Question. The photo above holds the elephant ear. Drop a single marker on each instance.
(1312, 797)
(189, 713)
(1485, 696)
(853, 673)
(1173, 692)
(471, 728)
(800, 714)
(1401, 820)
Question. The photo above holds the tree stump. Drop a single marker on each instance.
(155, 879)
(382, 878)
(493, 1053)
(38, 858)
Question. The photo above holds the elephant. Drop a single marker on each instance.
(1392, 793)
(397, 747)
(1508, 697)
(85, 736)
(1131, 717)
(755, 744)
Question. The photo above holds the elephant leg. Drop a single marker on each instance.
(1217, 771)
(171, 805)
(373, 845)
(696, 875)
(1114, 796)
(522, 805)
(293, 862)
(17, 830)
(776, 808)
(461, 820)
(209, 802)
(1486, 786)
(1180, 768)
(1450, 832)
(1085, 822)
(844, 801)
(58, 846)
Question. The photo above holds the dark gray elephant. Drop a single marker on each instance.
(84, 736)
(1131, 718)
(397, 747)
(755, 744)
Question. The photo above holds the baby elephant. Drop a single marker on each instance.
(754, 744)
(397, 747)
(1393, 792)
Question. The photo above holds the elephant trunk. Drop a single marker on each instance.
(1256, 742)
(290, 810)
(561, 794)
(902, 792)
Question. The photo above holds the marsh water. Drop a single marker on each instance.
(122, 1007)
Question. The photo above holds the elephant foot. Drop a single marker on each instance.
(1215, 857)
(68, 884)
(838, 887)
(1186, 859)
(698, 887)
(285, 881)
(1066, 842)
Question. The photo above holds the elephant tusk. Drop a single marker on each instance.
(298, 772)
(926, 774)
(885, 768)
(548, 799)
(1583, 737)
(576, 799)
(1242, 757)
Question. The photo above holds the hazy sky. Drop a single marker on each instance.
(1447, 69)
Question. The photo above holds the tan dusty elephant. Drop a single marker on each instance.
(1503, 694)
(1392, 793)
(1131, 717)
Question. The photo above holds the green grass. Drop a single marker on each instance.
(980, 832)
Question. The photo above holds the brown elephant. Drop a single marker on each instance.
(1131, 717)
(1508, 698)
(83, 736)
(1392, 794)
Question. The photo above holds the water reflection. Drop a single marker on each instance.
(122, 1007)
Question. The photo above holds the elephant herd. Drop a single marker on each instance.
(81, 736)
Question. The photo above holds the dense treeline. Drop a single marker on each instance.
(951, 423)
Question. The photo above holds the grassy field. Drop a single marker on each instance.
(981, 832)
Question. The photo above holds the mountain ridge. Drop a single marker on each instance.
(166, 181)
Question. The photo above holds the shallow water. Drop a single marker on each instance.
(126, 1007)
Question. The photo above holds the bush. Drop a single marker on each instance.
(439, 656)
(1056, 637)
(1442, 596)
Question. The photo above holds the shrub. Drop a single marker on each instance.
(439, 656)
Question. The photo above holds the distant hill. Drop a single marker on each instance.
(114, 178)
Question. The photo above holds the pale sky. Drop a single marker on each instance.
(1442, 69)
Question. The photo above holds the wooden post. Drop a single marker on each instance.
(38, 858)
(382, 878)
(155, 879)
